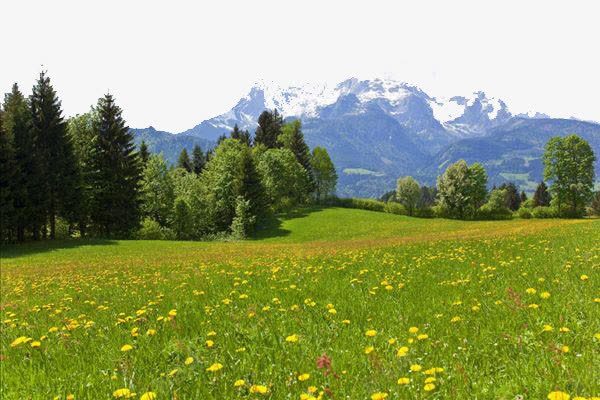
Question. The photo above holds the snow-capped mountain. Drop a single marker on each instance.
(377, 130)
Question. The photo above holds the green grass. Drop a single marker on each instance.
(378, 271)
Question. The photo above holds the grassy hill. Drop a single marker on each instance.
(347, 302)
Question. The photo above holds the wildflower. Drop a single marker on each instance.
(189, 360)
(346, 321)
(531, 291)
(369, 349)
(415, 368)
(456, 319)
(422, 336)
(379, 396)
(431, 379)
(429, 387)
(20, 340)
(413, 329)
(371, 333)
(215, 367)
(292, 338)
(53, 329)
(558, 396)
(403, 381)
(148, 396)
(260, 389)
(565, 349)
(584, 277)
(545, 295)
(239, 382)
(172, 314)
(391, 341)
(151, 332)
(564, 329)
(547, 328)
(402, 351)
(332, 311)
(303, 377)
(209, 343)
(122, 393)
(36, 344)
(173, 372)
(126, 347)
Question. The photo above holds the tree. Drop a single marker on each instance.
(157, 191)
(182, 220)
(243, 136)
(81, 132)
(184, 161)
(513, 199)
(292, 139)
(269, 129)
(284, 179)
(7, 188)
(462, 189)
(144, 153)
(56, 150)
(408, 193)
(569, 164)
(115, 210)
(252, 191)
(244, 220)
(427, 197)
(198, 160)
(595, 204)
(324, 173)
(523, 197)
(541, 197)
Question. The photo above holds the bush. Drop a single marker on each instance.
(524, 212)
(544, 212)
(495, 208)
(363, 204)
(151, 230)
(394, 208)
(427, 212)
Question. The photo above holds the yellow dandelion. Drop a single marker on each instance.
(429, 387)
(413, 329)
(403, 381)
(239, 383)
(189, 360)
(215, 367)
(303, 377)
(126, 347)
(545, 295)
(260, 389)
(369, 349)
(122, 393)
(292, 338)
(148, 396)
(371, 333)
(415, 368)
(379, 396)
(557, 395)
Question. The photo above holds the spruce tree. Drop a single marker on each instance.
(29, 198)
(184, 161)
(115, 209)
(513, 199)
(198, 160)
(294, 141)
(7, 174)
(241, 135)
(252, 188)
(541, 197)
(269, 128)
(58, 162)
(523, 197)
(144, 153)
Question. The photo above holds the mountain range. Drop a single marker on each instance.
(377, 130)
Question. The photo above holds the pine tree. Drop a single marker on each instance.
(269, 128)
(56, 150)
(523, 197)
(513, 200)
(541, 197)
(252, 188)
(29, 183)
(293, 139)
(184, 161)
(115, 210)
(7, 174)
(198, 160)
(144, 153)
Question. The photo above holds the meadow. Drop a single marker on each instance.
(322, 304)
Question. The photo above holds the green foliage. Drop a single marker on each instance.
(184, 161)
(408, 193)
(243, 222)
(285, 180)
(157, 191)
(496, 207)
(152, 230)
(115, 206)
(525, 213)
(462, 190)
(544, 212)
(183, 223)
(595, 204)
(324, 173)
(269, 129)
(61, 183)
(395, 208)
(198, 160)
(513, 198)
(243, 136)
(7, 188)
(542, 196)
(144, 153)
(569, 164)
(292, 138)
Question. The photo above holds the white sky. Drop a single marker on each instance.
(172, 64)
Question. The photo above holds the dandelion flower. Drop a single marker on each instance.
(126, 347)
(20, 340)
(371, 333)
(403, 381)
(584, 277)
(148, 396)
(415, 368)
(215, 367)
(239, 382)
(558, 396)
(379, 396)
(122, 393)
(260, 389)
(292, 338)
(545, 295)
(189, 360)
(36, 344)
(303, 377)
(413, 329)
(369, 349)
(429, 387)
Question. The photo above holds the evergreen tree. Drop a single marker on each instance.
(292, 138)
(7, 174)
(523, 197)
(269, 128)
(513, 199)
(61, 174)
(184, 161)
(144, 153)
(541, 197)
(29, 198)
(198, 160)
(115, 206)
(238, 134)
(427, 198)
(252, 189)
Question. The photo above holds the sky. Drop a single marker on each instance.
(172, 64)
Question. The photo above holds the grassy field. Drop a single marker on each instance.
(326, 303)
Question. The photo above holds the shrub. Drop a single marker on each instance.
(243, 222)
(524, 212)
(151, 230)
(544, 212)
(426, 212)
(395, 208)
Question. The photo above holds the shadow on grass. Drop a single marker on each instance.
(271, 227)
(45, 246)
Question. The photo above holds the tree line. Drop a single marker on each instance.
(83, 176)
(461, 191)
